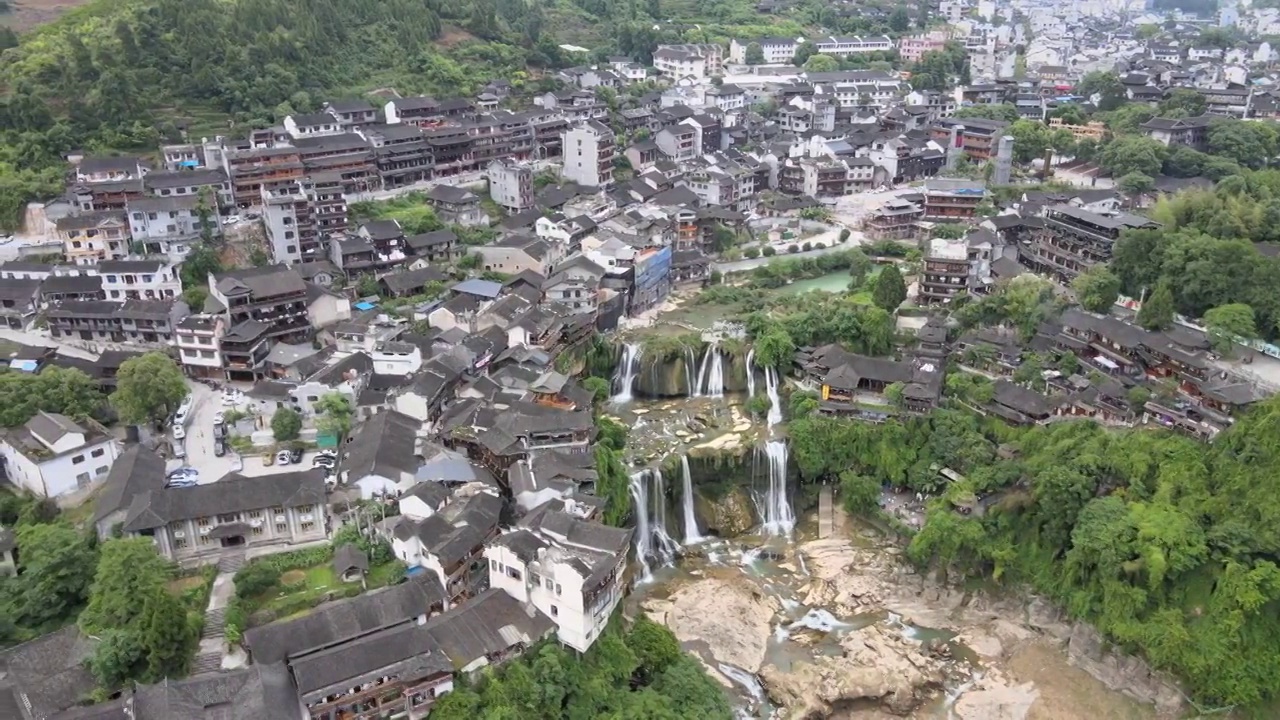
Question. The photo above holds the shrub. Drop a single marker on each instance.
(751, 253)
(819, 245)
(807, 246)
(793, 248)
(844, 235)
(769, 251)
(297, 559)
(716, 277)
(255, 579)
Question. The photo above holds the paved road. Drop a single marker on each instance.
(42, 339)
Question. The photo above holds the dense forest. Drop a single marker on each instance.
(1169, 546)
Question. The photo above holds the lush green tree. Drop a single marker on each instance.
(333, 414)
(56, 390)
(774, 348)
(1133, 154)
(149, 387)
(889, 290)
(1097, 288)
(859, 493)
(655, 647)
(1228, 323)
(1184, 162)
(1181, 102)
(58, 565)
(598, 387)
(1157, 310)
(129, 571)
(1246, 143)
(754, 54)
(689, 689)
(1135, 182)
(1106, 86)
(286, 424)
(201, 261)
(118, 657)
(1002, 111)
(613, 483)
(899, 21)
(821, 63)
(758, 406)
(256, 578)
(613, 434)
(164, 635)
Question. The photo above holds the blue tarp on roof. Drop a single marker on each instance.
(24, 365)
(364, 306)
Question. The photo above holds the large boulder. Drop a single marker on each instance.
(1125, 673)
(730, 515)
(733, 618)
(878, 664)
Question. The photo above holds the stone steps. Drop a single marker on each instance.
(214, 620)
(207, 663)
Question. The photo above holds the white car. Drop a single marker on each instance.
(283, 458)
(218, 418)
(229, 400)
(179, 432)
(179, 451)
(231, 220)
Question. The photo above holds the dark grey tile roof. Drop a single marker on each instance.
(258, 692)
(491, 623)
(233, 493)
(136, 471)
(48, 674)
(335, 622)
(383, 445)
(407, 652)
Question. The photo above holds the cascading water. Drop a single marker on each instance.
(771, 387)
(640, 508)
(628, 368)
(652, 541)
(776, 510)
(691, 535)
(691, 379)
(710, 373)
(751, 372)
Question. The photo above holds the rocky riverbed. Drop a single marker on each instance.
(842, 627)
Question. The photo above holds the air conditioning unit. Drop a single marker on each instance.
(305, 518)
(205, 530)
(256, 522)
(179, 533)
(280, 519)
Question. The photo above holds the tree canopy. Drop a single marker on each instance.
(148, 388)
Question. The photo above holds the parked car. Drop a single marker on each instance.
(182, 473)
(179, 451)
(295, 455)
(181, 483)
(219, 447)
(218, 418)
(179, 432)
(220, 432)
(180, 418)
(231, 220)
(323, 461)
(268, 459)
(283, 457)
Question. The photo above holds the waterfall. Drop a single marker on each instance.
(778, 517)
(640, 508)
(775, 405)
(649, 505)
(628, 368)
(691, 535)
(710, 373)
(751, 373)
(690, 378)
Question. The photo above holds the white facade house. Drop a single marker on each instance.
(589, 151)
(570, 569)
(52, 455)
(699, 61)
(198, 339)
(775, 50)
(139, 279)
(845, 46)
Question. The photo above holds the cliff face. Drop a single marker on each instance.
(668, 377)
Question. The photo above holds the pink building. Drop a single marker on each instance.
(913, 47)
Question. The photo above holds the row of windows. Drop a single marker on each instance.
(95, 453)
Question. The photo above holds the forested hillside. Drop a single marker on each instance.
(1168, 546)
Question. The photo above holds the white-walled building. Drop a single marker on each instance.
(572, 570)
(589, 151)
(51, 454)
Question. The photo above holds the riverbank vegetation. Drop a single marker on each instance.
(1168, 546)
(636, 673)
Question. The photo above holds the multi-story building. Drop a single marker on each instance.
(375, 247)
(912, 47)
(52, 455)
(299, 216)
(199, 339)
(775, 50)
(511, 184)
(139, 280)
(946, 199)
(90, 238)
(352, 113)
(191, 523)
(109, 168)
(457, 206)
(149, 322)
(570, 569)
(589, 152)
(274, 297)
(170, 226)
(1073, 240)
(256, 169)
(679, 142)
(977, 136)
(210, 182)
(402, 154)
(831, 178)
(1092, 130)
(700, 61)
(853, 45)
(946, 271)
(1192, 132)
(19, 302)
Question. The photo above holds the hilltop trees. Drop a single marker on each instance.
(148, 388)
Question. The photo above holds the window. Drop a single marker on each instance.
(555, 611)
(282, 528)
(256, 530)
(82, 480)
(77, 459)
(308, 526)
(514, 573)
(228, 517)
(98, 453)
(255, 514)
(204, 522)
(115, 293)
(550, 585)
(493, 565)
(557, 588)
(179, 543)
(536, 579)
(103, 470)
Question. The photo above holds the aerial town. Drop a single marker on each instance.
(703, 370)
